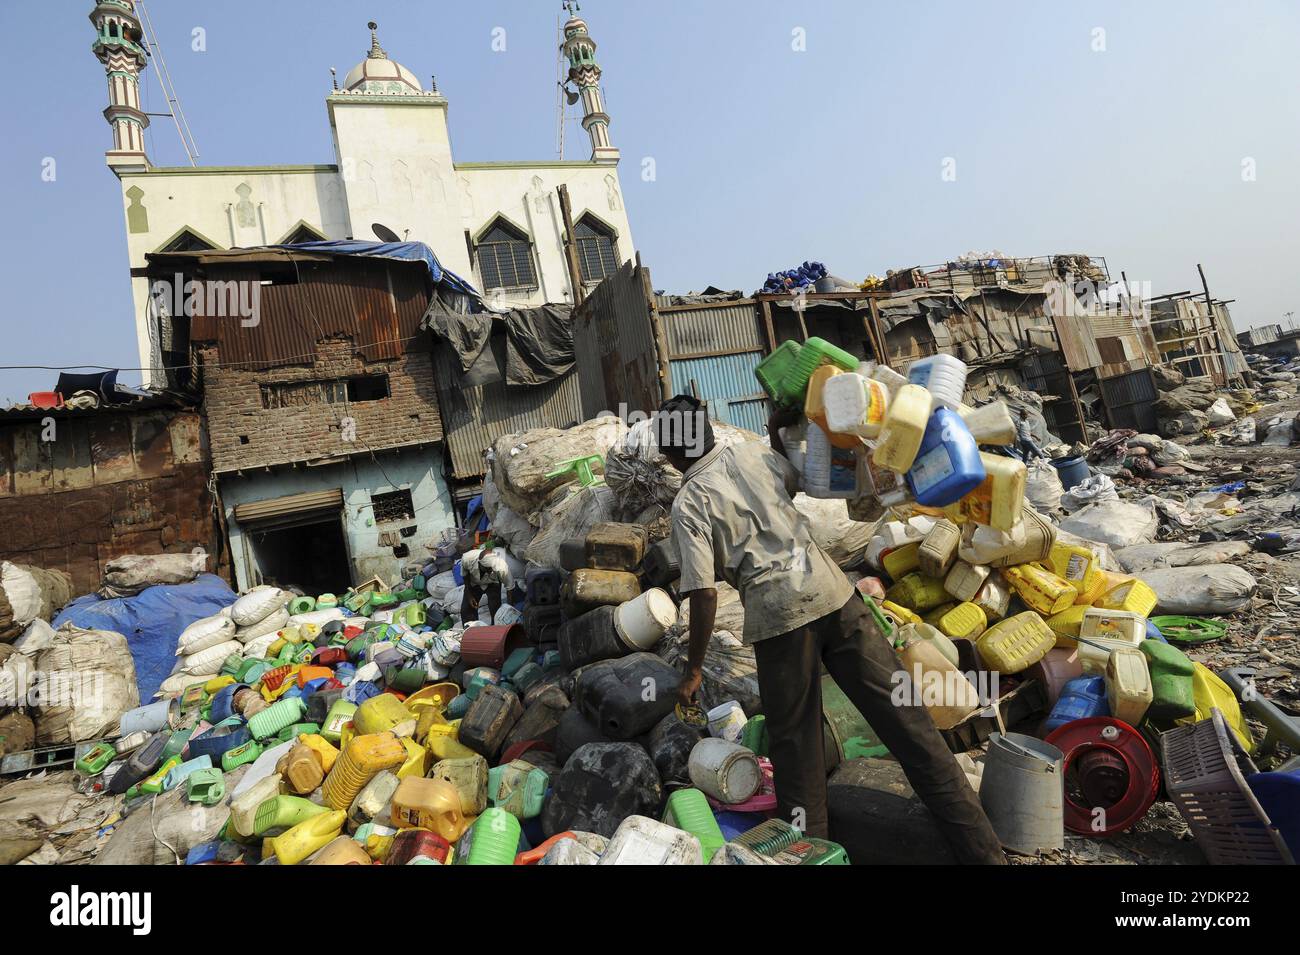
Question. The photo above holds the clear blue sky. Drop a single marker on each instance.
(764, 156)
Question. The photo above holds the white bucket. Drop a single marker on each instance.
(724, 770)
(727, 721)
(641, 621)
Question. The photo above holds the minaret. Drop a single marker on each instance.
(584, 72)
(119, 45)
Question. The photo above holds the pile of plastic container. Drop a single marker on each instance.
(377, 728)
(972, 585)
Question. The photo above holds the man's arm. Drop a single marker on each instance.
(703, 612)
(780, 418)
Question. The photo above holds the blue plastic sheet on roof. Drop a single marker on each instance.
(403, 251)
(151, 621)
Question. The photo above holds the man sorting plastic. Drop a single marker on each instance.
(734, 520)
(485, 571)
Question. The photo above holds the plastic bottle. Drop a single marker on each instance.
(1133, 595)
(999, 499)
(590, 637)
(518, 787)
(301, 769)
(1128, 685)
(937, 683)
(640, 840)
(429, 804)
(1016, 643)
(1103, 631)
(244, 807)
(1073, 563)
(468, 775)
(904, 428)
(964, 580)
(938, 552)
(1081, 698)
(284, 812)
(340, 713)
(1172, 690)
(994, 598)
(829, 471)
(342, 850)
(990, 424)
(855, 405)
(306, 837)
(944, 376)
(966, 621)
(917, 592)
(276, 717)
(1040, 589)
(814, 408)
(689, 810)
(363, 756)
(495, 839)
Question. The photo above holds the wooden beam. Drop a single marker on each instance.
(570, 245)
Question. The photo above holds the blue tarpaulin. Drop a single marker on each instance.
(151, 621)
(405, 251)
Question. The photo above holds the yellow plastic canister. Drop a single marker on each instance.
(1016, 643)
(323, 748)
(1208, 691)
(364, 756)
(1134, 595)
(1093, 588)
(938, 551)
(302, 840)
(384, 711)
(217, 683)
(1128, 685)
(429, 804)
(966, 621)
(901, 560)
(417, 759)
(999, 499)
(932, 616)
(443, 742)
(918, 592)
(1066, 625)
(1106, 631)
(904, 427)
(1040, 589)
(1073, 563)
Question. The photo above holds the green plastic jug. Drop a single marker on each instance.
(232, 759)
(689, 810)
(518, 787)
(495, 840)
(1172, 692)
(276, 717)
(284, 812)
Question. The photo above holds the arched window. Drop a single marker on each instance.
(597, 255)
(187, 241)
(505, 258)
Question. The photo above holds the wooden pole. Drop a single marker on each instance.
(570, 245)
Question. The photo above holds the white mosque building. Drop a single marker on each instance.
(498, 224)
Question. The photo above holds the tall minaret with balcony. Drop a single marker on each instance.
(119, 45)
(584, 73)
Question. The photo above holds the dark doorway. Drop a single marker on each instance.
(310, 555)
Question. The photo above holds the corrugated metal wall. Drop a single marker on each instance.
(728, 384)
(614, 344)
(475, 416)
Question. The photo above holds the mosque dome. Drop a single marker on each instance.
(378, 74)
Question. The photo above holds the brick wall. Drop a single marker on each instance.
(244, 433)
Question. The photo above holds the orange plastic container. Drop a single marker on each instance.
(362, 757)
(307, 674)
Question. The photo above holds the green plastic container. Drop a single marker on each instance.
(407, 593)
(232, 759)
(518, 787)
(784, 374)
(297, 729)
(777, 839)
(354, 602)
(232, 664)
(94, 760)
(340, 713)
(177, 742)
(495, 840)
(276, 717)
(284, 812)
(205, 786)
(414, 615)
(754, 735)
(516, 662)
(301, 605)
(326, 602)
(1172, 695)
(380, 601)
(689, 810)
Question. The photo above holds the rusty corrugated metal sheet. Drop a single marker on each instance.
(617, 359)
(475, 416)
(375, 304)
(713, 329)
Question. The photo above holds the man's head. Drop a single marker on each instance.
(1024, 413)
(682, 431)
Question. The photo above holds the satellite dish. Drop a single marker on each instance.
(385, 234)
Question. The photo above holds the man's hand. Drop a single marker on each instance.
(689, 686)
